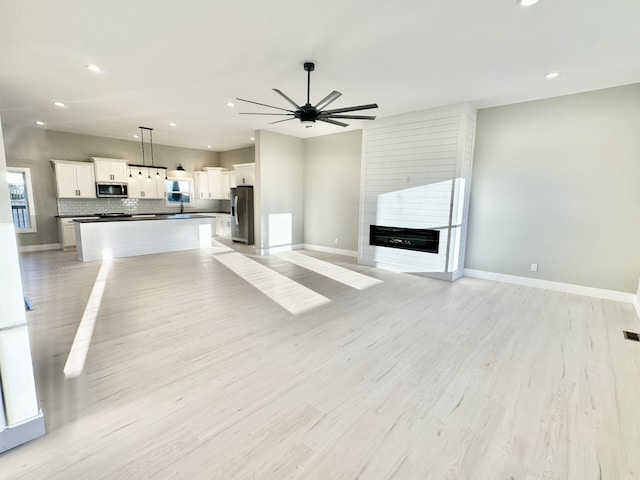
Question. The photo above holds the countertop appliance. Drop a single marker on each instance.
(242, 214)
(112, 190)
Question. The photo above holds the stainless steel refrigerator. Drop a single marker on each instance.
(242, 214)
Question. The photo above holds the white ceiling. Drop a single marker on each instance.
(169, 61)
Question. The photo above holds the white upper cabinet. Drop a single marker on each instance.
(202, 185)
(160, 177)
(144, 184)
(245, 174)
(75, 179)
(212, 184)
(110, 170)
(226, 184)
(215, 182)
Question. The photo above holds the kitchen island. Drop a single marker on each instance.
(98, 238)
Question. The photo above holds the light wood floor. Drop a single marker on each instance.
(195, 374)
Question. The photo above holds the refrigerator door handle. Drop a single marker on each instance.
(235, 213)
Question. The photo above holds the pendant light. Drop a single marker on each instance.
(144, 163)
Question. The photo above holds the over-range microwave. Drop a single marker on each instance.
(111, 190)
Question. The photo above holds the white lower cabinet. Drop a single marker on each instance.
(223, 225)
(67, 232)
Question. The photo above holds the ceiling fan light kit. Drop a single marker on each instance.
(310, 114)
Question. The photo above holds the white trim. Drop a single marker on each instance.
(337, 251)
(556, 286)
(636, 304)
(37, 248)
(31, 207)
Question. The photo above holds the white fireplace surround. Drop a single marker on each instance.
(416, 173)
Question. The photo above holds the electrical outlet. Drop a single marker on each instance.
(335, 240)
(534, 267)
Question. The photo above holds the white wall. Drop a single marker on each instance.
(557, 183)
(279, 192)
(332, 190)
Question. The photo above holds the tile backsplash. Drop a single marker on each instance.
(87, 206)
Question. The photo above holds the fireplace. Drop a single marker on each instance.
(419, 239)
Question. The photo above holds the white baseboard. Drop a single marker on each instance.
(281, 248)
(556, 286)
(337, 251)
(37, 248)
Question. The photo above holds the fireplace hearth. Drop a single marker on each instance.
(419, 239)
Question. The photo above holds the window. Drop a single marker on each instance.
(179, 191)
(21, 194)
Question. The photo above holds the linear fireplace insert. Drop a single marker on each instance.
(420, 239)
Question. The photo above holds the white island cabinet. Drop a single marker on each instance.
(100, 239)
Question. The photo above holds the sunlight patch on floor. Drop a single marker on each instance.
(334, 272)
(287, 293)
(82, 341)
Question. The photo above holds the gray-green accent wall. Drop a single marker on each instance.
(234, 157)
(557, 182)
(278, 192)
(332, 190)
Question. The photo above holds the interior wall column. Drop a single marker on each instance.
(21, 419)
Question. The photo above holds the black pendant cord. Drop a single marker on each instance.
(142, 142)
(151, 144)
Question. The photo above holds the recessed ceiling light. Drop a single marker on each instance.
(136, 136)
(527, 3)
(208, 146)
(552, 75)
(94, 68)
(171, 124)
(40, 123)
(231, 104)
(59, 104)
(251, 138)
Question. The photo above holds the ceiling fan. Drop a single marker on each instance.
(309, 114)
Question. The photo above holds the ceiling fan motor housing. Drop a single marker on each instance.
(307, 113)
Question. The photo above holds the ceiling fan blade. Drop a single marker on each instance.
(327, 100)
(279, 121)
(286, 98)
(351, 109)
(255, 113)
(352, 117)
(327, 120)
(263, 104)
